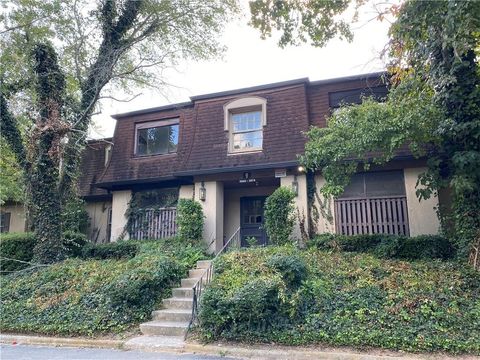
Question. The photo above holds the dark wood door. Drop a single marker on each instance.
(251, 221)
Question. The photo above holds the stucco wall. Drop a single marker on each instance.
(17, 217)
(232, 205)
(186, 192)
(98, 213)
(120, 201)
(422, 216)
(213, 211)
(326, 217)
(301, 201)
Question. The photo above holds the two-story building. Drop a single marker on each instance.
(232, 149)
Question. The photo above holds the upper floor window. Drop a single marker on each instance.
(349, 97)
(157, 137)
(244, 120)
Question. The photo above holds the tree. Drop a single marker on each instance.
(59, 58)
(433, 107)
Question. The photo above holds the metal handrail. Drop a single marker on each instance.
(207, 276)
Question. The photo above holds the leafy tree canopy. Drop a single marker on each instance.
(433, 108)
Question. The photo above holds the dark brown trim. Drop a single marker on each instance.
(176, 106)
(238, 168)
(251, 89)
(110, 185)
(368, 76)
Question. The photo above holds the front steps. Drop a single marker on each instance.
(169, 325)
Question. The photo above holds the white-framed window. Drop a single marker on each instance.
(156, 137)
(244, 120)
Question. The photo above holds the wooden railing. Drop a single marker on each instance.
(232, 243)
(380, 215)
(154, 224)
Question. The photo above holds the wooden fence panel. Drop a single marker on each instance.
(382, 215)
(154, 224)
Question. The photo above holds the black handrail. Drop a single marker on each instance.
(206, 277)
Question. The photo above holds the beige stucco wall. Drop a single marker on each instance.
(120, 201)
(301, 201)
(326, 217)
(232, 205)
(213, 211)
(98, 214)
(17, 217)
(422, 216)
(186, 192)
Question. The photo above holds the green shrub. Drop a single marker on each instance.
(345, 299)
(16, 246)
(114, 250)
(190, 220)
(291, 267)
(280, 215)
(389, 246)
(92, 297)
(19, 248)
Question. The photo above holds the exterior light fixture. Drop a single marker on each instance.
(203, 192)
(295, 185)
(301, 169)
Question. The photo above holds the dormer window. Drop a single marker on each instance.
(156, 137)
(244, 120)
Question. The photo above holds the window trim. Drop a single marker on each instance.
(151, 125)
(239, 106)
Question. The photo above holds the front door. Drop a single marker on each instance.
(251, 221)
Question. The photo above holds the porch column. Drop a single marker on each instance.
(120, 201)
(213, 211)
(422, 217)
(301, 201)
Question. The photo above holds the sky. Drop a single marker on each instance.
(250, 61)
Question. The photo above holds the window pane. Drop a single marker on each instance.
(355, 188)
(248, 140)
(173, 138)
(142, 142)
(157, 140)
(388, 183)
(247, 121)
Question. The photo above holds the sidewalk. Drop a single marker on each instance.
(243, 351)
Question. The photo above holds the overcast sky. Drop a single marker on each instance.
(250, 61)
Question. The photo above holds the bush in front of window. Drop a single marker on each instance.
(280, 216)
(388, 246)
(190, 220)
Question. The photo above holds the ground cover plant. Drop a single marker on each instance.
(95, 296)
(298, 297)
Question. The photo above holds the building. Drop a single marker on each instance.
(229, 151)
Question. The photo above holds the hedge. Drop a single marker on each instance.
(389, 246)
(343, 299)
(19, 248)
(115, 250)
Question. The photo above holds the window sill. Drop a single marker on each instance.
(244, 152)
(153, 155)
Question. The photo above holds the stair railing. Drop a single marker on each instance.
(232, 243)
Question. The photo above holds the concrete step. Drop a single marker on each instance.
(196, 273)
(182, 292)
(183, 315)
(160, 327)
(178, 303)
(188, 283)
(203, 264)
